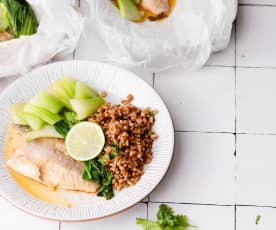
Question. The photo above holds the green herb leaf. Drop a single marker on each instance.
(86, 175)
(258, 218)
(104, 158)
(165, 216)
(116, 150)
(64, 126)
(93, 170)
(166, 220)
(148, 225)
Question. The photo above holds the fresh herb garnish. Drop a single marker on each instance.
(116, 150)
(258, 218)
(63, 126)
(102, 159)
(166, 220)
(95, 171)
(151, 113)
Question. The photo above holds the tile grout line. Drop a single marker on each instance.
(252, 4)
(185, 203)
(240, 66)
(235, 153)
(255, 206)
(219, 132)
(216, 205)
(235, 217)
(206, 132)
(255, 67)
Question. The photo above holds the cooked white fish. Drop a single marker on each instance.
(45, 161)
(156, 6)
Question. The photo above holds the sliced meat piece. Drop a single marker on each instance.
(45, 161)
(156, 6)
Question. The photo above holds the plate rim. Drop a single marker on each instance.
(128, 72)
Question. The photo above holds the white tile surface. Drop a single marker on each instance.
(258, 2)
(124, 221)
(256, 184)
(246, 218)
(256, 93)
(256, 36)
(205, 217)
(13, 219)
(225, 57)
(201, 101)
(202, 170)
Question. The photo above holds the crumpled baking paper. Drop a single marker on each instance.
(194, 30)
(60, 27)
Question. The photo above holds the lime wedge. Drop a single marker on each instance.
(85, 141)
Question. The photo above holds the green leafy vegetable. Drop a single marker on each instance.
(129, 10)
(116, 150)
(46, 131)
(93, 170)
(166, 220)
(64, 126)
(104, 158)
(44, 114)
(148, 225)
(85, 107)
(47, 101)
(70, 119)
(64, 90)
(4, 20)
(19, 117)
(17, 111)
(33, 121)
(83, 91)
(20, 17)
(258, 218)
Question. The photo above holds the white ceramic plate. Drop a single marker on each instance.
(118, 83)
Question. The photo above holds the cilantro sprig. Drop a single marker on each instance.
(166, 220)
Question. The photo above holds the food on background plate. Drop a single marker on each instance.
(16, 18)
(69, 138)
(141, 10)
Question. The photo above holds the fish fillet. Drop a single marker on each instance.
(45, 161)
(156, 6)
